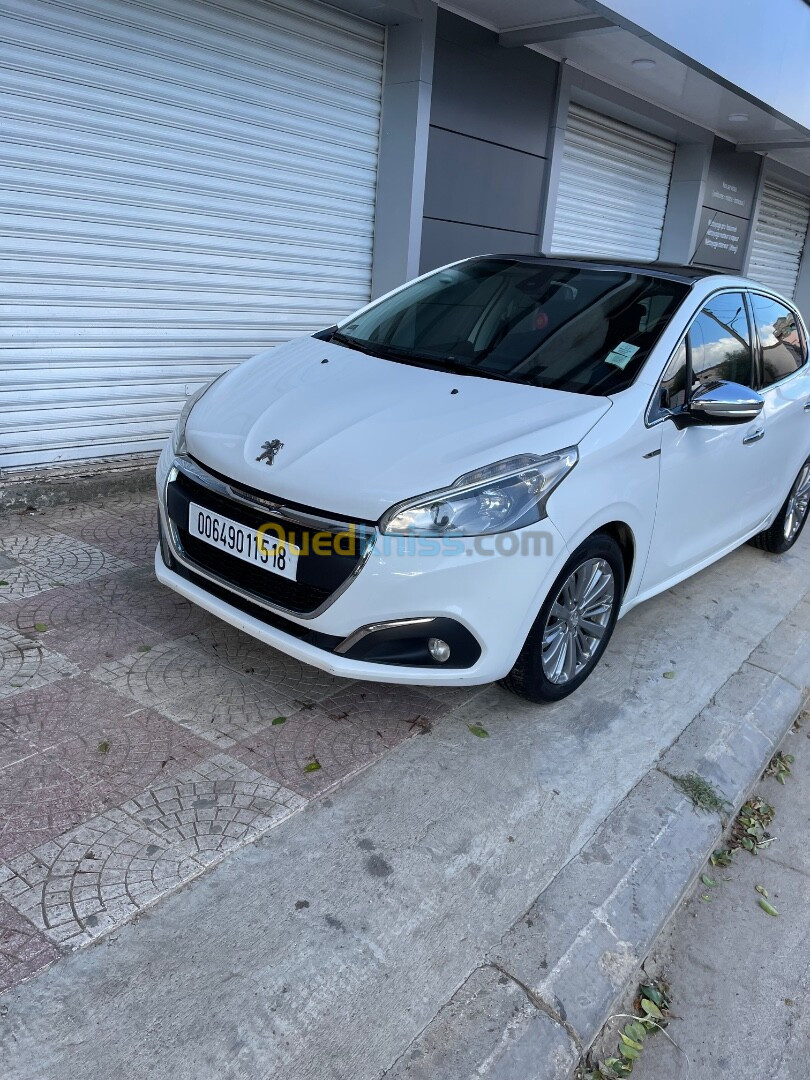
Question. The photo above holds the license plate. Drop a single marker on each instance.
(268, 552)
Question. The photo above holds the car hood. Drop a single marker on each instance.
(362, 433)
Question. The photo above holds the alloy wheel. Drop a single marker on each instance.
(578, 620)
(798, 503)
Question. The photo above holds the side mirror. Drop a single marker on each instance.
(721, 403)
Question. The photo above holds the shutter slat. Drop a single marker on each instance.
(183, 183)
(779, 237)
(614, 185)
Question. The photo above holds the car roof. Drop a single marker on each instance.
(673, 271)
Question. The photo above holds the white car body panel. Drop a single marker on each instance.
(361, 434)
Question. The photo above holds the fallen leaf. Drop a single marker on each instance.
(651, 1009)
(769, 909)
(40, 627)
(628, 1041)
(712, 884)
(478, 731)
(279, 720)
(144, 648)
(312, 767)
(3, 583)
(761, 890)
(669, 674)
(103, 746)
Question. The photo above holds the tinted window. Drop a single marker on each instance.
(780, 337)
(720, 343)
(673, 385)
(580, 329)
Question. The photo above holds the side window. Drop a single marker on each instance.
(673, 385)
(780, 337)
(720, 342)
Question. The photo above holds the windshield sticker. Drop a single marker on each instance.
(621, 356)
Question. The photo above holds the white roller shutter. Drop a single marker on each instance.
(182, 183)
(614, 184)
(781, 229)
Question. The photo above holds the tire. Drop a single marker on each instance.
(788, 524)
(530, 677)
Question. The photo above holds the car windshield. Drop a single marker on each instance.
(576, 328)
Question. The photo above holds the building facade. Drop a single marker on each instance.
(185, 183)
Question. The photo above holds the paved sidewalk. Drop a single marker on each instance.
(365, 925)
(740, 978)
(140, 738)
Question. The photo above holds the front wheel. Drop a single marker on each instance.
(789, 522)
(574, 625)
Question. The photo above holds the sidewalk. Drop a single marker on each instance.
(740, 979)
(460, 906)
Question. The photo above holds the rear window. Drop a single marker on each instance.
(780, 338)
(578, 329)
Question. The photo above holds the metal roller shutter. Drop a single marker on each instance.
(614, 184)
(182, 183)
(776, 250)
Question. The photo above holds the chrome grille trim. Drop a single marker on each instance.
(181, 463)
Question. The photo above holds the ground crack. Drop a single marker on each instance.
(543, 1007)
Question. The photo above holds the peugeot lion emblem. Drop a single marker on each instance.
(269, 451)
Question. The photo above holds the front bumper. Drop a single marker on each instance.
(479, 583)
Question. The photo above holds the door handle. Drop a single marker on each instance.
(755, 436)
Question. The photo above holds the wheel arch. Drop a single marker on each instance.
(621, 532)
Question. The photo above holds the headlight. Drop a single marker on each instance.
(179, 433)
(507, 495)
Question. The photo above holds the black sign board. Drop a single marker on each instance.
(721, 239)
(732, 182)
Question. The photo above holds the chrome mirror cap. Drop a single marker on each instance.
(725, 403)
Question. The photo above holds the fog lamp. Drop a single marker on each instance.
(438, 649)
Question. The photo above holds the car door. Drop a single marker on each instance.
(784, 383)
(705, 498)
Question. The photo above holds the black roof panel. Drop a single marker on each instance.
(677, 271)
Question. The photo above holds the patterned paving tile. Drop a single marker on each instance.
(23, 949)
(245, 706)
(22, 523)
(78, 624)
(289, 678)
(326, 735)
(12, 747)
(103, 872)
(372, 704)
(40, 799)
(168, 670)
(52, 559)
(137, 595)
(132, 535)
(113, 747)
(27, 664)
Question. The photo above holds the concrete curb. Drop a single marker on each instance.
(544, 993)
(59, 485)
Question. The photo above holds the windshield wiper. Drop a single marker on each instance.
(405, 356)
(353, 343)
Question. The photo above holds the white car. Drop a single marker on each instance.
(472, 478)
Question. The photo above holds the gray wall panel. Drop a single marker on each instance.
(444, 241)
(488, 92)
(490, 116)
(473, 181)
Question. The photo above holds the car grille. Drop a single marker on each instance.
(319, 576)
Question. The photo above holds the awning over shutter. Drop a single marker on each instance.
(779, 236)
(182, 184)
(614, 184)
